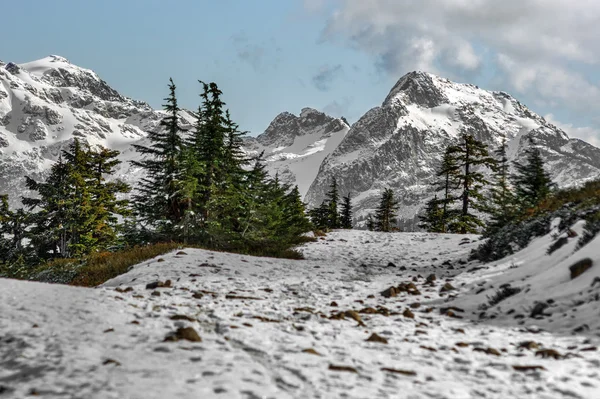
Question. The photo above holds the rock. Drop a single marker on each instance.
(391, 264)
(531, 345)
(181, 317)
(155, 293)
(333, 304)
(558, 244)
(595, 281)
(538, 309)
(409, 373)
(311, 351)
(181, 253)
(158, 284)
(489, 351)
(376, 338)
(580, 267)
(447, 287)
(111, 361)
(343, 368)
(390, 292)
(415, 305)
(403, 268)
(528, 368)
(431, 278)
(408, 313)
(545, 353)
(184, 333)
(197, 295)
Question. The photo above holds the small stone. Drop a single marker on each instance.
(197, 295)
(155, 293)
(343, 368)
(376, 338)
(311, 351)
(408, 313)
(181, 253)
(447, 287)
(409, 373)
(529, 345)
(160, 260)
(111, 361)
(390, 292)
(185, 333)
(580, 267)
(333, 304)
(391, 264)
(528, 368)
(538, 309)
(431, 278)
(545, 353)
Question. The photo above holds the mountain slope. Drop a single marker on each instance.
(295, 146)
(46, 103)
(400, 143)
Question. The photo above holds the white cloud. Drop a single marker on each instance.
(534, 47)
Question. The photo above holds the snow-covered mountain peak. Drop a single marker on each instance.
(400, 144)
(295, 146)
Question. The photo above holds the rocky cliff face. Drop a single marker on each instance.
(295, 146)
(46, 103)
(400, 143)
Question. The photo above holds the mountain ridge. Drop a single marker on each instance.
(46, 103)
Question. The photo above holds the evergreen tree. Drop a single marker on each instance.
(13, 232)
(158, 202)
(433, 218)
(77, 208)
(346, 215)
(385, 215)
(470, 155)
(370, 223)
(448, 173)
(319, 216)
(532, 183)
(332, 199)
(502, 200)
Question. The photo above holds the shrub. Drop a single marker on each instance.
(503, 293)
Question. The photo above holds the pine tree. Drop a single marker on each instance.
(448, 173)
(385, 216)
(433, 218)
(470, 156)
(333, 198)
(370, 223)
(532, 183)
(502, 201)
(320, 216)
(77, 209)
(346, 215)
(158, 202)
(13, 232)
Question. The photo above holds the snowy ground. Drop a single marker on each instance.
(267, 330)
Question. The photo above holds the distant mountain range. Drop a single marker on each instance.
(46, 103)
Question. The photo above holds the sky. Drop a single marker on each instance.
(338, 56)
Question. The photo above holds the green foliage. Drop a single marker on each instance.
(433, 216)
(448, 182)
(333, 198)
(501, 203)
(77, 208)
(532, 183)
(385, 215)
(159, 201)
(591, 229)
(471, 156)
(346, 214)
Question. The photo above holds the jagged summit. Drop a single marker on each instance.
(295, 146)
(416, 87)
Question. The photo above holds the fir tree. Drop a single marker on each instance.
(333, 198)
(320, 216)
(502, 200)
(470, 155)
(385, 215)
(532, 183)
(433, 218)
(370, 223)
(346, 215)
(13, 232)
(158, 202)
(448, 173)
